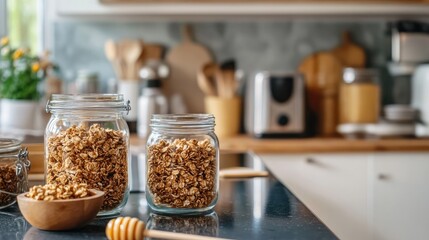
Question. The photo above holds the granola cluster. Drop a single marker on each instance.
(8, 183)
(182, 173)
(50, 192)
(96, 156)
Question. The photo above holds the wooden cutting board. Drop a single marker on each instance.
(185, 60)
(323, 73)
(349, 53)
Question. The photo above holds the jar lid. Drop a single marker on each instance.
(87, 101)
(359, 75)
(182, 120)
(9, 145)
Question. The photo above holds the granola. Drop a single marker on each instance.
(182, 173)
(8, 183)
(50, 192)
(96, 156)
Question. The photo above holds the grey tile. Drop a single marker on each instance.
(256, 45)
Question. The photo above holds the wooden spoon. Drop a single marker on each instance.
(60, 214)
(112, 54)
(131, 51)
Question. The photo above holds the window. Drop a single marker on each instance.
(3, 17)
(22, 20)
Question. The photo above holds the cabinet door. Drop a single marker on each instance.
(401, 196)
(332, 186)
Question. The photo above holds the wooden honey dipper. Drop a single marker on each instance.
(124, 228)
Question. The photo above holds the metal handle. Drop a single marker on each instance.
(47, 108)
(310, 160)
(128, 107)
(383, 176)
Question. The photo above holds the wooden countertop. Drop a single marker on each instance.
(247, 143)
(243, 143)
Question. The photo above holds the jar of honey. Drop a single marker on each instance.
(359, 99)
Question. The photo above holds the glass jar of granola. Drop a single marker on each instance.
(14, 166)
(182, 164)
(87, 141)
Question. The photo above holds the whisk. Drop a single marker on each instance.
(124, 228)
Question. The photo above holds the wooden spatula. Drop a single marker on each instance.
(131, 51)
(111, 52)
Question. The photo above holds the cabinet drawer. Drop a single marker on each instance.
(333, 186)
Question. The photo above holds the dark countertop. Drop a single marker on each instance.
(258, 208)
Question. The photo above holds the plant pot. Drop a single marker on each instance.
(18, 114)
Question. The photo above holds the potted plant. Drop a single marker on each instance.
(20, 76)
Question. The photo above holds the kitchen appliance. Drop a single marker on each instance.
(409, 68)
(409, 41)
(275, 105)
(420, 99)
(152, 100)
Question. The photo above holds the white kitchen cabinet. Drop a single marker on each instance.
(332, 186)
(374, 196)
(400, 196)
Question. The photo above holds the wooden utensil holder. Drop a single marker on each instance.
(227, 112)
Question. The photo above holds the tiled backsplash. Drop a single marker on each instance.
(258, 45)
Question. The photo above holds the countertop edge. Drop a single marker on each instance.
(245, 143)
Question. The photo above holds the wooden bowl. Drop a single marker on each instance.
(60, 214)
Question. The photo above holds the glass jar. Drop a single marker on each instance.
(182, 164)
(14, 167)
(87, 141)
(359, 96)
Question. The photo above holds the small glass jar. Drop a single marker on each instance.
(182, 164)
(359, 100)
(14, 167)
(87, 141)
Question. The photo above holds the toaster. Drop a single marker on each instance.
(275, 105)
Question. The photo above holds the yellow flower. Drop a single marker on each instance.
(35, 67)
(4, 41)
(17, 54)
